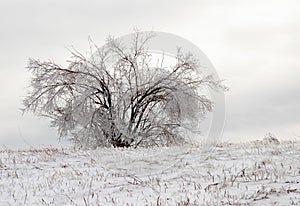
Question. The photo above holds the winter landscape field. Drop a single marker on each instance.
(157, 103)
(253, 173)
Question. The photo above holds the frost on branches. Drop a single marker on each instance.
(115, 97)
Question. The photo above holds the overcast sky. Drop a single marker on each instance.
(254, 45)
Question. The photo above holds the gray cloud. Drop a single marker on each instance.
(253, 44)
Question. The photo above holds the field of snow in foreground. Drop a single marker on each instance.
(226, 174)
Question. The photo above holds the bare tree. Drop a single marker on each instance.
(115, 97)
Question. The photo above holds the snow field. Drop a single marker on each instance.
(225, 174)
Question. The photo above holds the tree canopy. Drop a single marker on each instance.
(116, 97)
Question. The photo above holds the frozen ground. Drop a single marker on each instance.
(227, 174)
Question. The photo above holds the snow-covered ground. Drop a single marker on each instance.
(226, 174)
